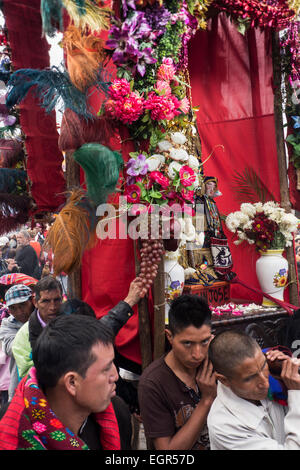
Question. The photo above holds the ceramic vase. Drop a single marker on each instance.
(174, 280)
(272, 274)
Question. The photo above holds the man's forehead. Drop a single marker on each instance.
(192, 332)
(49, 293)
(251, 365)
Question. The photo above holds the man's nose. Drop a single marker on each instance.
(263, 381)
(197, 352)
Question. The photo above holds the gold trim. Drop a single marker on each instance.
(272, 252)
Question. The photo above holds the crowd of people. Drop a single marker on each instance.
(23, 252)
(61, 387)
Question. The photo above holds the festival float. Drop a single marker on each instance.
(166, 130)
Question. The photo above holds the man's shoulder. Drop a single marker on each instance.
(10, 323)
(156, 367)
(22, 332)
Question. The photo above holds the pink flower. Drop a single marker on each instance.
(162, 107)
(184, 105)
(119, 88)
(187, 176)
(159, 178)
(133, 193)
(130, 108)
(161, 86)
(167, 70)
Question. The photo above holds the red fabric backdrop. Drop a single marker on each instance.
(231, 78)
(30, 50)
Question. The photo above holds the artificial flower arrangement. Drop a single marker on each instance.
(151, 96)
(169, 175)
(267, 226)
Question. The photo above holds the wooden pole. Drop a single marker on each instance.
(144, 321)
(159, 312)
(73, 181)
(282, 159)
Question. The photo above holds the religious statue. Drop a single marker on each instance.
(207, 259)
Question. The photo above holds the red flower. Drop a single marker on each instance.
(133, 193)
(187, 176)
(159, 178)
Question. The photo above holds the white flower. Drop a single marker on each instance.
(164, 145)
(248, 209)
(259, 206)
(193, 162)
(155, 161)
(179, 154)
(178, 138)
(173, 166)
(235, 220)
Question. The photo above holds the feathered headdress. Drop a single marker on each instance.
(87, 14)
(52, 86)
(72, 232)
(13, 181)
(101, 167)
(11, 152)
(14, 211)
(84, 14)
(51, 13)
(84, 55)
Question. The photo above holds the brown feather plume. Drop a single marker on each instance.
(72, 232)
(84, 56)
(76, 131)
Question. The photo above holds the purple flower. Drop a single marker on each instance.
(137, 166)
(158, 17)
(131, 42)
(145, 58)
(127, 3)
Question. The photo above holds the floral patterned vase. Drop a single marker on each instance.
(272, 274)
(174, 279)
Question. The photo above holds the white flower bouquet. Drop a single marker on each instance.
(267, 225)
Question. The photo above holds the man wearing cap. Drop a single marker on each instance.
(19, 302)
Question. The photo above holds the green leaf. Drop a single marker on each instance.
(155, 194)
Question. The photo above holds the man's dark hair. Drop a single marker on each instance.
(76, 307)
(229, 349)
(65, 345)
(46, 283)
(188, 310)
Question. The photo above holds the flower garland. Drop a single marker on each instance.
(263, 14)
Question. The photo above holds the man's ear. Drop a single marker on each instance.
(221, 378)
(34, 301)
(169, 336)
(70, 381)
